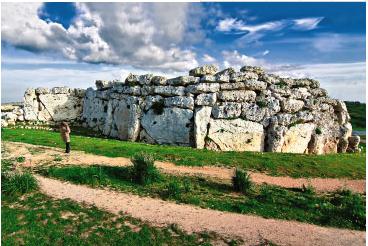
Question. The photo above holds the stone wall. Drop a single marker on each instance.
(246, 110)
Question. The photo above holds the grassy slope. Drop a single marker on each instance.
(295, 165)
(339, 209)
(357, 114)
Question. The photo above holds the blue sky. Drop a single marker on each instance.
(74, 44)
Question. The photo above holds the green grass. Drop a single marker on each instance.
(357, 114)
(36, 219)
(277, 164)
(340, 209)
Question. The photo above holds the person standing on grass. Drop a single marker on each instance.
(65, 135)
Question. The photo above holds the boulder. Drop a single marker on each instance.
(297, 137)
(222, 78)
(236, 135)
(103, 84)
(202, 116)
(145, 79)
(227, 72)
(208, 79)
(204, 70)
(180, 102)
(159, 80)
(60, 90)
(243, 76)
(253, 112)
(132, 79)
(237, 96)
(206, 99)
(253, 69)
(171, 127)
(255, 85)
(232, 86)
(300, 93)
(226, 110)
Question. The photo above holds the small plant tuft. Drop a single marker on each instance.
(58, 158)
(17, 183)
(20, 159)
(318, 131)
(144, 171)
(174, 189)
(261, 104)
(241, 181)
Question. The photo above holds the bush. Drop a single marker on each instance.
(241, 181)
(21, 159)
(144, 171)
(17, 183)
(318, 131)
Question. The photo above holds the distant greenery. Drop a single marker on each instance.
(40, 220)
(357, 114)
(277, 164)
(340, 209)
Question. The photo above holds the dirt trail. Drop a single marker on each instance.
(38, 155)
(250, 228)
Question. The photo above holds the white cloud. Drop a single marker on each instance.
(144, 35)
(266, 52)
(236, 60)
(307, 23)
(208, 59)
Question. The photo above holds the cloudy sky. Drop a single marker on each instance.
(74, 44)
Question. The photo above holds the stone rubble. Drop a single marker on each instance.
(228, 110)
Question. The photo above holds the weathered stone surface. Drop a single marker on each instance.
(353, 144)
(150, 100)
(159, 80)
(296, 139)
(270, 78)
(291, 105)
(60, 90)
(253, 69)
(145, 138)
(318, 92)
(222, 78)
(130, 90)
(79, 92)
(253, 112)
(306, 83)
(42, 90)
(238, 135)
(103, 84)
(204, 70)
(202, 116)
(183, 80)
(226, 110)
(171, 127)
(145, 79)
(132, 79)
(58, 107)
(203, 88)
(280, 89)
(180, 102)
(243, 76)
(300, 93)
(126, 118)
(169, 90)
(226, 71)
(237, 96)
(147, 90)
(206, 99)
(232, 86)
(208, 79)
(255, 85)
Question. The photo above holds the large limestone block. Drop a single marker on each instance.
(58, 107)
(206, 99)
(159, 80)
(253, 112)
(30, 105)
(296, 139)
(255, 85)
(126, 118)
(180, 102)
(103, 84)
(300, 93)
(169, 90)
(291, 105)
(254, 69)
(202, 117)
(237, 96)
(203, 88)
(183, 80)
(243, 76)
(171, 127)
(226, 110)
(60, 90)
(232, 86)
(236, 135)
(145, 79)
(210, 69)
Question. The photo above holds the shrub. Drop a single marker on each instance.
(144, 171)
(318, 131)
(158, 107)
(308, 189)
(20, 159)
(241, 181)
(17, 183)
(261, 104)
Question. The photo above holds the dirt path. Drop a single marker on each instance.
(251, 229)
(38, 155)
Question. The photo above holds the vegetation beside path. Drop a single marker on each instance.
(339, 209)
(277, 164)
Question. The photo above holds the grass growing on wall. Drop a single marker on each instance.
(278, 164)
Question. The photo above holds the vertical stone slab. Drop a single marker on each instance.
(202, 116)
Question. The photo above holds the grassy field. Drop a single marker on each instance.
(357, 114)
(31, 218)
(340, 209)
(282, 164)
